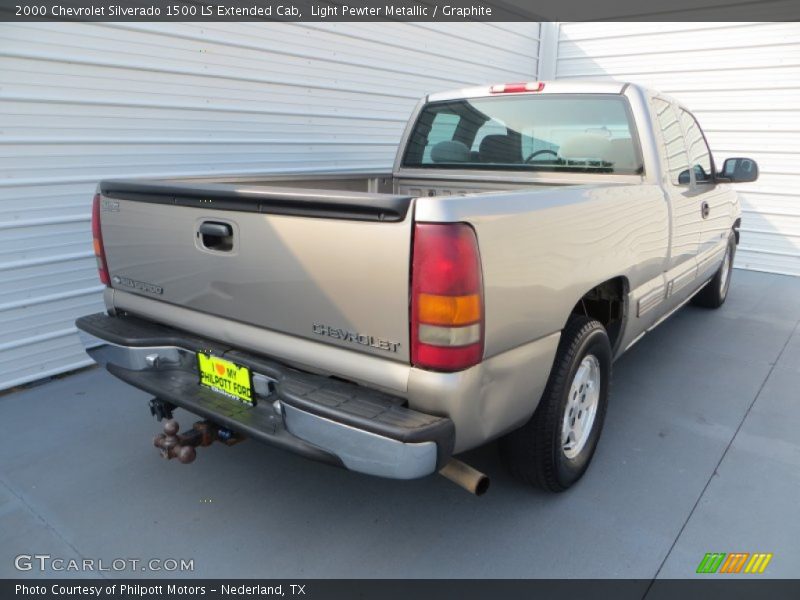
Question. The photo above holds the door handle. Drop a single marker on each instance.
(704, 209)
(212, 229)
(214, 235)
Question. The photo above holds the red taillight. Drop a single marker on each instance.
(97, 242)
(447, 318)
(515, 88)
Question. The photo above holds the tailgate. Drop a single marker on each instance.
(327, 266)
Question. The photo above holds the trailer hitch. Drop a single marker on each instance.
(182, 446)
(160, 409)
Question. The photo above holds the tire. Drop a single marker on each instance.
(713, 294)
(536, 453)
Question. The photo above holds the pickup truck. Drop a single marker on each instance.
(527, 235)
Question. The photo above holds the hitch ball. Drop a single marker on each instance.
(172, 445)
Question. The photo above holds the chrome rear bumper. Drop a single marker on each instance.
(341, 423)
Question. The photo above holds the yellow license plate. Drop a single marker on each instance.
(225, 377)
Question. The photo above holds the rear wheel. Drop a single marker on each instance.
(714, 293)
(554, 448)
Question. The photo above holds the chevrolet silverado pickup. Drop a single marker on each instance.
(527, 235)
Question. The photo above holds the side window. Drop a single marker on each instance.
(699, 154)
(674, 144)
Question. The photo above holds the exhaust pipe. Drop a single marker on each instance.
(468, 478)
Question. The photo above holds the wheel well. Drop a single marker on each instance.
(606, 303)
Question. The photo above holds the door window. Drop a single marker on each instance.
(674, 143)
(699, 154)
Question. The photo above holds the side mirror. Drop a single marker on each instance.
(683, 178)
(739, 170)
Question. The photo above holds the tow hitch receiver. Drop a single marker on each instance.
(161, 410)
(182, 446)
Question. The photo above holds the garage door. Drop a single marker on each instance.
(742, 80)
(81, 102)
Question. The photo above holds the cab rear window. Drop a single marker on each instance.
(554, 132)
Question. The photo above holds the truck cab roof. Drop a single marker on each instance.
(544, 87)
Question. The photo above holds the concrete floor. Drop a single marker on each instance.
(700, 453)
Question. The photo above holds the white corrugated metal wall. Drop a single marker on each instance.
(81, 102)
(742, 80)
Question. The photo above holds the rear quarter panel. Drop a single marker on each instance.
(542, 250)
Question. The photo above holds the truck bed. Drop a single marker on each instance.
(322, 257)
(360, 187)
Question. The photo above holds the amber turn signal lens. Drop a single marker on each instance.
(449, 310)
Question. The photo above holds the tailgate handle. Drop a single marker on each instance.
(216, 236)
(216, 229)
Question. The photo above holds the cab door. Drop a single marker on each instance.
(715, 202)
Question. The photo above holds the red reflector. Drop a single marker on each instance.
(446, 263)
(512, 88)
(440, 358)
(97, 239)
